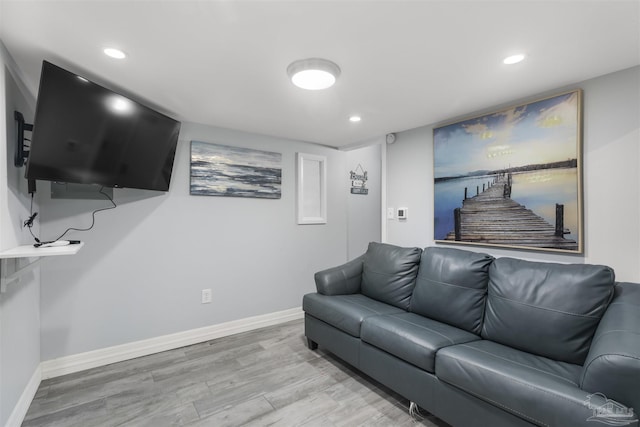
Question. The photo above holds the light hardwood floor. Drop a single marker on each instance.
(266, 377)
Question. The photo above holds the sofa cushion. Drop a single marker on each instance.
(389, 273)
(452, 286)
(345, 312)
(547, 309)
(412, 338)
(540, 390)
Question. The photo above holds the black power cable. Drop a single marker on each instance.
(29, 222)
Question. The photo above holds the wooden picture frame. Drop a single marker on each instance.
(512, 178)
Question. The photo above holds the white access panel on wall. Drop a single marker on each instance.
(312, 188)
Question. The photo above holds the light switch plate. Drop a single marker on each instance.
(390, 213)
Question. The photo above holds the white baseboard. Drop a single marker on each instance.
(21, 408)
(92, 359)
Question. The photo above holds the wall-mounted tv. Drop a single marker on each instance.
(87, 134)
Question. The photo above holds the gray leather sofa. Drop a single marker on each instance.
(479, 341)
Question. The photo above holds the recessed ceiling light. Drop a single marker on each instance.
(313, 73)
(355, 119)
(114, 53)
(513, 59)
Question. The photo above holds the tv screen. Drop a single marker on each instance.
(87, 134)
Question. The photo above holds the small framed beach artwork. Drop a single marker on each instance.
(512, 178)
(224, 170)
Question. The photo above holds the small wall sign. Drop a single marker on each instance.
(359, 181)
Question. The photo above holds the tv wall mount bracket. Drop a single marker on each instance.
(22, 151)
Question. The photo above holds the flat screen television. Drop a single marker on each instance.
(87, 134)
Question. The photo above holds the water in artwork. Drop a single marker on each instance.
(537, 190)
(222, 170)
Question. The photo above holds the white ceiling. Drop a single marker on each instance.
(404, 64)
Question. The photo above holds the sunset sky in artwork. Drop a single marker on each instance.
(540, 132)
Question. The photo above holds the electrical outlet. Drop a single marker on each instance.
(206, 296)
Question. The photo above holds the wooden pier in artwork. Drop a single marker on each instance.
(492, 217)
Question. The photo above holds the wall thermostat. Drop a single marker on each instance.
(391, 138)
(402, 213)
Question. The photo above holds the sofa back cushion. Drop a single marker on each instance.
(452, 286)
(551, 310)
(389, 273)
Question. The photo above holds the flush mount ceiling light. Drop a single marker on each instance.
(513, 59)
(114, 53)
(355, 119)
(313, 73)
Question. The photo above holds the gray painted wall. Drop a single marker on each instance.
(143, 267)
(364, 210)
(611, 179)
(19, 306)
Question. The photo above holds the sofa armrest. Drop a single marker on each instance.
(341, 280)
(613, 363)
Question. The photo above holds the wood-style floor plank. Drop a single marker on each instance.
(266, 377)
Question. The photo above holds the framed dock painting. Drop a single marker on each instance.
(512, 178)
(224, 170)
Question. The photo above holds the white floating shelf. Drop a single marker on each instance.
(29, 251)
